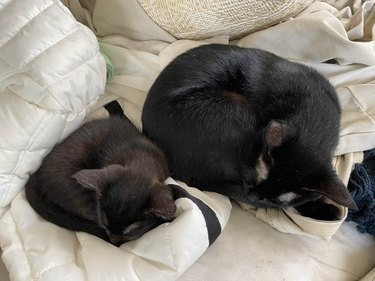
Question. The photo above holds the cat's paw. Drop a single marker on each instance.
(320, 210)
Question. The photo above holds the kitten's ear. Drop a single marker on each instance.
(162, 202)
(335, 190)
(276, 133)
(97, 179)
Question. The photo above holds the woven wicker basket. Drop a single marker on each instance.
(198, 19)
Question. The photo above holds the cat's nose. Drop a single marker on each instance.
(117, 240)
(253, 196)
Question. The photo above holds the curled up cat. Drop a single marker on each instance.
(106, 179)
(250, 125)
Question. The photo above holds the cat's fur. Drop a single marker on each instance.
(106, 179)
(250, 125)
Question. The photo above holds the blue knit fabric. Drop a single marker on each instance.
(362, 188)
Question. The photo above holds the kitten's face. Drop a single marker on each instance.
(284, 181)
(128, 202)
(289, 174)
(133, 206)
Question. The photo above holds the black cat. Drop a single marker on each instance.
(251, 125)
(106, 179)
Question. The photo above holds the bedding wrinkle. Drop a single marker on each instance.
(158, 265)
(77, 249)
(86, 62)
(46, 92)
(285, 225)
(72, 61)
(36, 104)
(361, 76)
(41, 274)
(127, 100)
(38, 10)
(20, 158)
(351, 275)
(49, 46)
(34, 136)
(46, 88)
(171, 247)
(5, 4)
(34, 246)
(355, 134)
(6, 189)
(21, 244)
(361, 106)
(65, 77)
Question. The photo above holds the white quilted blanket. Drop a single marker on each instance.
(43, 95)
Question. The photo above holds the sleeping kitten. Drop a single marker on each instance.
(250, 125)
(106, 179)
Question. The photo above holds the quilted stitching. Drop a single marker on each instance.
(57, 74)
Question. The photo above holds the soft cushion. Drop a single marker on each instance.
(206, 18)
(51, 74)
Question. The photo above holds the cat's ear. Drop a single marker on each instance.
(97, 179)
(162, 202)
(335, 190)
(277, 132)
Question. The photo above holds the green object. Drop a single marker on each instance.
(109, 66)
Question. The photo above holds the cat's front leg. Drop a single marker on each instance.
(249, 178)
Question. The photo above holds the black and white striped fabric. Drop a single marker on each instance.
(212, 222)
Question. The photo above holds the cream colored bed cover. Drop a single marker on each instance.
(249, 249)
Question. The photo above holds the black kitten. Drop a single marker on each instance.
(250, 125)
(105, 179)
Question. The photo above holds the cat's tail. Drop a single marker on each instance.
(57, 215)
(115, 109)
